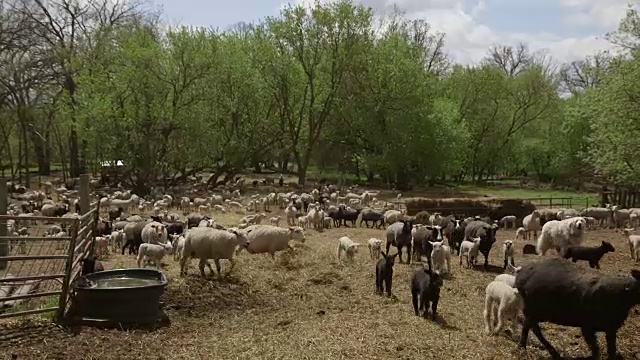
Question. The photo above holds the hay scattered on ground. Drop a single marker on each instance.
(307, 305)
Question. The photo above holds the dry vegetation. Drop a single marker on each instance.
(306, 305)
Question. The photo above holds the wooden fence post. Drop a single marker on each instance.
(4, 244)
(85, 200)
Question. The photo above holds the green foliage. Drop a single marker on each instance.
(320, 87)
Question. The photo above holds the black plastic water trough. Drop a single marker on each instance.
(120, 296)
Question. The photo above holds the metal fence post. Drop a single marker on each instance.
(4, 244)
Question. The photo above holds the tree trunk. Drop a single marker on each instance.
(42, 155)
(74, 168)
(257, 168)
(402, 180)
(284, 165)
(302, 175)
(370, 176)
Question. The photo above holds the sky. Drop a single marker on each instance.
(567, 29)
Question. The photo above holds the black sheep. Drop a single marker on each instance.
(375, 216)
(104, 227)
(334, 214)
(193, 220)
(529, 249)
(560, 292)
(425, 289)
(384, 273)
(453, 230)
(174, 228)
(60, 209)
(134, 242)
(487, 234)
(399, 235)
(348, 215)
(90, 264)
(590, 254)
(115, 212)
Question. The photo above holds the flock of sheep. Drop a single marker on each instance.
(552, 290)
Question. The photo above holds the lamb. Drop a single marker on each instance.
(634, 243)
(271, 239)
(509, 221)
(469, 249)
(178, 245)
(508, 278)
(531, 223)
(153, 252)
(425, 289)
(375, 246)
(207, 243)
(502, 302)
(560, 292)
(558, 234)
(440, 255)
(275, 221)
(117, 239)
(508, 253)
(399, 235)
(348, 246)
(384, 273)
(487, 235)
(520, 233)
(393, 216)
(590, 254)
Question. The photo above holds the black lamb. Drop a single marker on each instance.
(384, 273)
(590, 254)
(560, 292)
(425, 289)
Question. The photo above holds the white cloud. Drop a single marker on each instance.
(468, 40)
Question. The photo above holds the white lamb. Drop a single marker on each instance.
(275, 221)
(178, 245)
(509, 279)
(153, 252)
(634, 243)
(208, 243)
(508, 253)
(290, 213)
(375, 246)
(117, 239)
(502, 302)
(440, 255)
(303, 221)
(520, 233)
(469, 249)
(348, 246)
(558, 234)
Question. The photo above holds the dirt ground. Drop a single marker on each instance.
(307, 305)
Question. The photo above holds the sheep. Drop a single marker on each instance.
(326, 222)
(558, 234)
(271, 239)
(384, 273)
(393, 216)
(469, 249)
(634, 244)
(601, 215)
(101, 245)
(275, 221)
(440, 256)
(90, 265)
(399, 235)
(531, 223)
(560, 292)
(154, 233)
(453, 230)
(590, 254)
(117, 239)
(520, 233)
(178, 245)
(508, 278)
(153, 252)
(620, 216)
(374, 216)
(375, 246)
(207, 243)
(347, 246)
(425, 289)
(509, 222)
(502, 302)
(207, 223)
(487, 234)
(508, 253)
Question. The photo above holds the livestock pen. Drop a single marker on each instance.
(36, 270)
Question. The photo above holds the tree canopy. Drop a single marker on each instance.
(82, 82)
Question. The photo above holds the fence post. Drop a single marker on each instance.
(68, 268)
(4, 244)
(85, 200)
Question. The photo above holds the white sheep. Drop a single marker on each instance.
(502, 302)
(207, 243)
(508, 253)
(520, 233)
(509, 279)
(634, 243)
(348, 246)
(219, 208)
(275, 221)
(117, 239)
(469, 249)
(375, 246)
(271, 239)
(531, 223)
(558, 234)
(154, 233)
(303, 221)
(153, 252)
(290, 213)
(393, 216)
(509, 221)
(440, 256)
